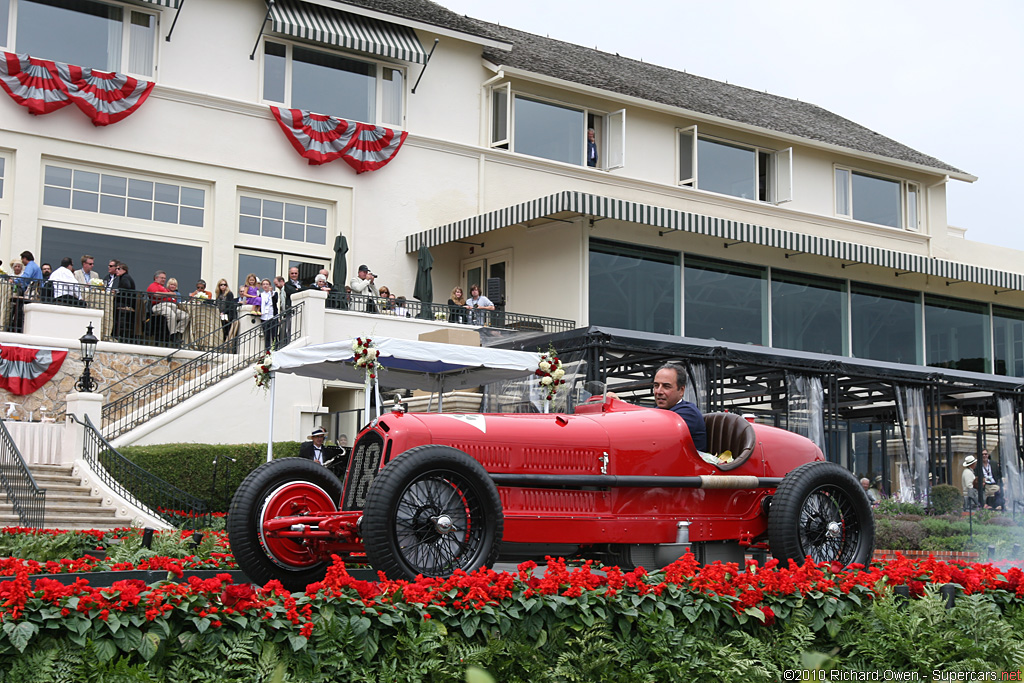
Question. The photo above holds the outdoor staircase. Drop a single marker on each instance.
(70, 504)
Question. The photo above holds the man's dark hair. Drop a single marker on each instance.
(28, 255)
(65, 262)
(122, 264)
(680, 373)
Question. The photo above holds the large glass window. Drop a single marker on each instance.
(3, 167)
(87, 33)
(634, 288)
(5, 13)
(734, 169)
(1008, 341)
(331, 84)
(808, 313)
(118, 195)
(550, 131)
(885, 324)
(878, 200)
(282, 219)
(725, 301)
(958, 334)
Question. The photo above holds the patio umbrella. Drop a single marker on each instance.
(424, 289)
(340, 267)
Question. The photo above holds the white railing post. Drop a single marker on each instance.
(81, 405)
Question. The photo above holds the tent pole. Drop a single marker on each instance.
(270, 435)
(440, 394)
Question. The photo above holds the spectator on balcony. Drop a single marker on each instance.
(32, 275)
(477, 304)
(249, 293)
(111, 281)
(457, 306)
(165, 304)
(67, 291)
(124, 300)
(386, 299)
(400, 309)
(293, 286)
(47, 270)
(17, 267)
(268, 313)
(172, 287)
(321, 283)
(201, 292)
(86, 274)
(363, 285)
(227, 307)
(17, 314)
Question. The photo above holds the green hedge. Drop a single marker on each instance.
(189, 466)
(952, 532)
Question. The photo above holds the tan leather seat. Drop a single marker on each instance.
(730, 432)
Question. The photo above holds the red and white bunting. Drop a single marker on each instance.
(23, 369)
(321, 139)
(31, 83)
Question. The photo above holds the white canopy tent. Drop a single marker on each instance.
(406, 364)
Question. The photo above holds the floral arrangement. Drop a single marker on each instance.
(365, 355)
(440, 315)
(202, 295)
(550, 372)
(261, 371)
(96, 282)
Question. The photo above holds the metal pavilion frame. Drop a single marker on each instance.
(744, 378)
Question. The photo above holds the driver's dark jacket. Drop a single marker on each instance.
(695, 421)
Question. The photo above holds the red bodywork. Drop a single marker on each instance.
(613, 438)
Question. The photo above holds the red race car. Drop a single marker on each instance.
(429, 493)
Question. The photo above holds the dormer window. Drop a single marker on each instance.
(733, 168)
(872, 198)
(100, 35)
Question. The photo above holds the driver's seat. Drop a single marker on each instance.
(730, 432)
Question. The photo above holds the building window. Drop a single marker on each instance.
(119, 195)
(556, 131)
(734, 169)
(875, 199)
(282, 220)
(885, 324)
(85, 33)
(809, 313)
(334, 85)
(725, 301)
(634, 288)
(1008, 341)
(958, 334)
(3, 175)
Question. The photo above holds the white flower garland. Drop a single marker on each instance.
(550, 372)
(261, 371)
(365, 355)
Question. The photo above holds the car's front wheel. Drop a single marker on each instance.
(820, 510)
(430, 511)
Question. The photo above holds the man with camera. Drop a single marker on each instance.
(478, 304)
(363, 285)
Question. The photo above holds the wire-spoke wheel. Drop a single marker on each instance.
(431, 511)
(820, 511)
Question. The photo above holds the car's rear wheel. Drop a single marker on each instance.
(282, 488)
(820, 510)
(430, 511)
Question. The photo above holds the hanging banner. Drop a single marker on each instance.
(23, 369)
(103, 96)
(321, 139)
(44, 86)
(31, 83)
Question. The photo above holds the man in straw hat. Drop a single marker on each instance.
(967, 482)
(314, 448)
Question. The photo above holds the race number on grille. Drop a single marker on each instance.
(364, 467)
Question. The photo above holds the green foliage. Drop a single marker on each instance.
(949, 532)
(945, 499)
(890, 506)
(190, 466)
(893, 533)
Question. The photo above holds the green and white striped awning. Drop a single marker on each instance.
(669, 219)
(349, 31)
(173, 4)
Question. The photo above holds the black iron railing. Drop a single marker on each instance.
(358, 303)
(138, 486)
(24, 494)
(167, 391)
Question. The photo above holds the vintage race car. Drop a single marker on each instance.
(431, 493)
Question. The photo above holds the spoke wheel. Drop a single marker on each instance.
(431, 511)
(282, 488)
(820, 511)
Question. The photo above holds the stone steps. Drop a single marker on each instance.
(69, 504)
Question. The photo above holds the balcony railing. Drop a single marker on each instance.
(129, 316)
(24, 494)
(341, 301)
(188, 379)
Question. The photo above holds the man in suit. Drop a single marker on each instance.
(85, 274)
(293, 286)
(111, 280)
(124, 316)
(314, 448)
(991, 482)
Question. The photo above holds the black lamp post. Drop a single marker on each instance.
(88, 341)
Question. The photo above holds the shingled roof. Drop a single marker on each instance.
(610, 72)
